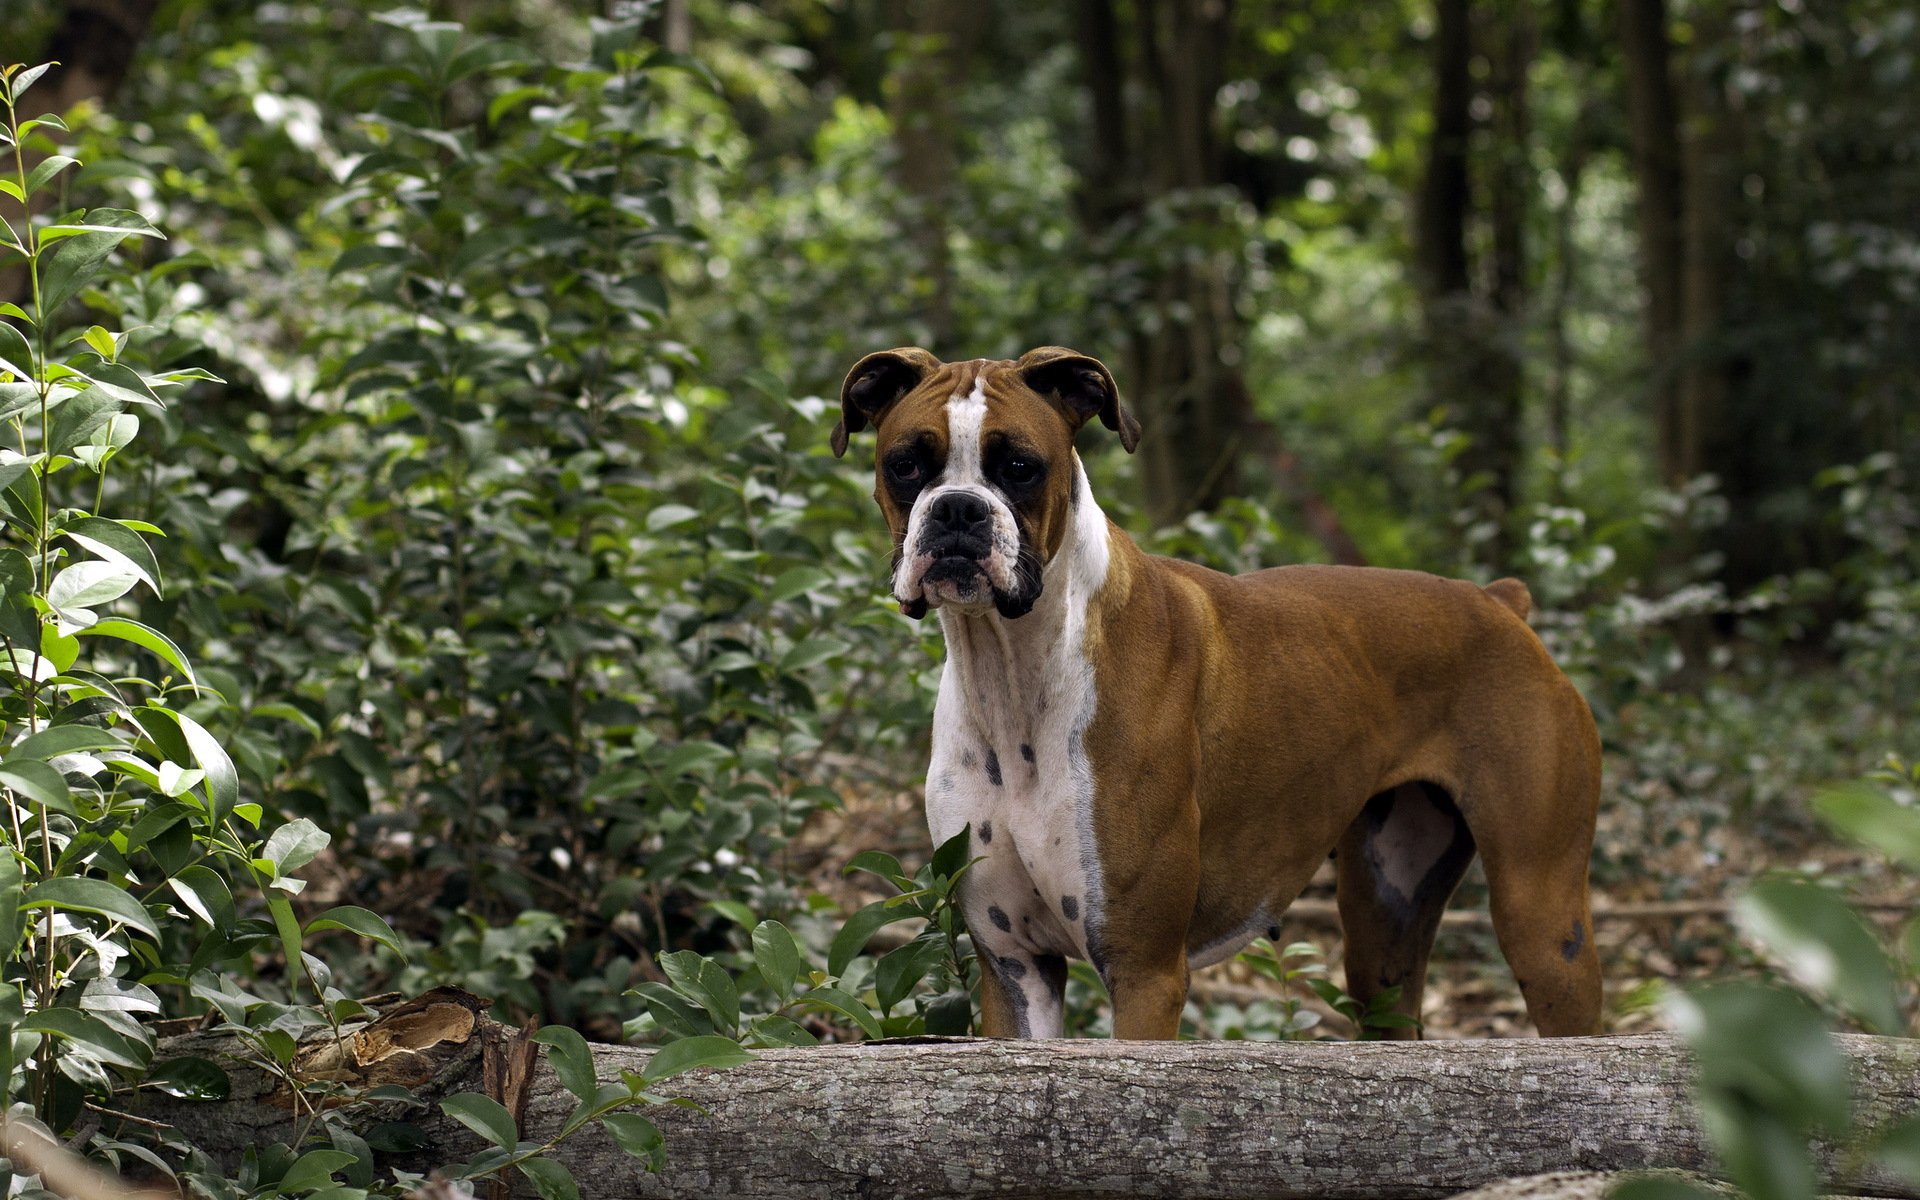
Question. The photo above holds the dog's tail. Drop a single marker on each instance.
(1512, 593)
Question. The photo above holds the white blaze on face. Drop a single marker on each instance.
(965, 471)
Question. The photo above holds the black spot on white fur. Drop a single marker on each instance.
(1026, 751)
(993, 768)
(1012, 968)
(1070, 907)
(999, 919)
(968, 761)
(986, 831)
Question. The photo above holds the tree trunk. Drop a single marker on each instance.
(943, 34)
(1653, 115)
(1180, 369)
(1494, 410)
(1708, 148)
(94, 44)
(966, 1117)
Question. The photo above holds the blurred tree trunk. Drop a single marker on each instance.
(1107, 190)
(941, 36)
(1188, 389)
(94, 44)
(676, 26)
(1653, 115)
(1474, 334)
(1708, 155)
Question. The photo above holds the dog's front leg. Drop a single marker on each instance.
(1022, 995)
(1139, 941)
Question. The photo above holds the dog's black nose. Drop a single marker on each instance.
(959, 512)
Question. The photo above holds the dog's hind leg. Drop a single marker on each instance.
(1535, 841)
(1398, 864)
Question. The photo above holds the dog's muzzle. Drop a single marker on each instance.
(959, 557)
(957, 543)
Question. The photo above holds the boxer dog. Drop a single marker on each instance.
(1154, 757)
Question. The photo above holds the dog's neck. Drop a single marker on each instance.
(1016, 666)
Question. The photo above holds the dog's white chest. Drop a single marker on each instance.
(1018, 777)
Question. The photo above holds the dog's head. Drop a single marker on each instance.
(975, 469)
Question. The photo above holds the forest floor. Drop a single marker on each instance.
(1652, 851)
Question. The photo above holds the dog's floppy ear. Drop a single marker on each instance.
(874, 384)
(1082, 387)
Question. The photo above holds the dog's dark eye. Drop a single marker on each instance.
(904, 468)
(1020, 471)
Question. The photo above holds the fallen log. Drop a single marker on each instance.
(969, 1117)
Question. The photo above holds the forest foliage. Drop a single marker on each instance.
(423, 564)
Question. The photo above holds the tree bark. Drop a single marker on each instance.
(94, 44)
(1475, 327)
(925, 137)
(967, 1117)
(1653, 115)
(1181, 366)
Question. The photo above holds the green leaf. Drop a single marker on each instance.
(206, 895)
(509, 100)
(354, 919)
(19, 621)
(571, 1060)
(287, 926)
(777, 956)
(313, 1170)
(1868, 815)
(1825, 945)
(223, 782)
(779, 1031)
(876, 862)
(88, 1032)
(17, 358)
(190, 1079)
(24, 80)
(81, 894)
(666, 516)
(80, 417)
(12, 927)
(37, 782)
(289, 712)
(118, 545)
(72, 265)
(1768, 1045)
(733, 911)
(951, 858)
(295, 844)
(672, 1012)
(64, 739)
(551, 1179)
(636, 1135)
(707, 984)
(901, 969)
(126, 630)
(844, 1003)
(1661, 1187)
(89, 585)
(811, 652)
(48, 167)
(859, 930)
(690, 1053)
(1898, 1148)
(484, 1115)
(100, 340)
(797, 582)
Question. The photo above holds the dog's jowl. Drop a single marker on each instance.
(1155, 757)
